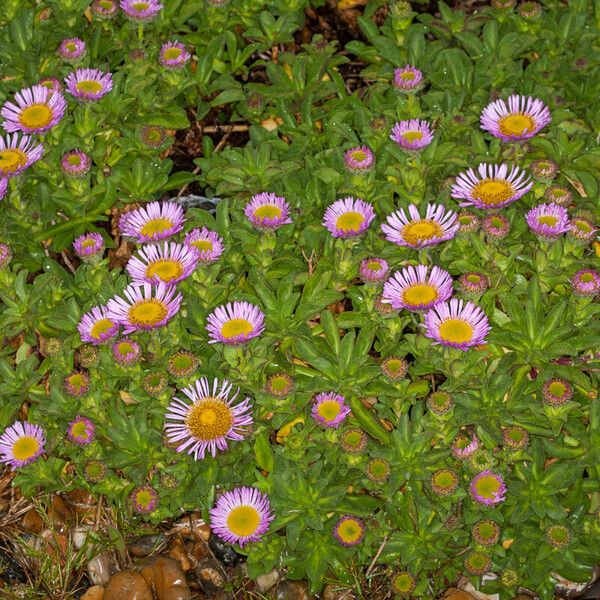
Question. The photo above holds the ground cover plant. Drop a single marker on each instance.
(377, 347)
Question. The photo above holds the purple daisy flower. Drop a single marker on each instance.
(416, 290)
(89, 247)
(557, 392)
(207, 244)
(235, 323)
(473, 282)
(71, 49)
(488, 488)
(359, 160)
(330, 409)
(496, 226)
(21, 443)
(146, 306)
(144, 499)
(582, 229)
(81, 431)
(126, 351)
(241, 515)
(373, 270)
(35, 110)
(586, 282)
(349, 531)
(154, 222)
(77, 384)
(457, 324)
(141, 10)
(89, 84)
(54, 85)
(437, 226)
(96, 326)
(413, 135)
(76, 163)
(463, 447)
(523, 118)
(105, 8)
(17, 155)
(3, 188)
(548, 221)
(495, 187)
(209, 421)
(408, 79)
(170, 263)
(268, 211)
(173, 55)
(348, 217)
(5, 255)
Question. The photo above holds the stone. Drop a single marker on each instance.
(32, 522)
(267, 580)
(223, 551)
(59, 514)
(180, 554)
(100, 569)
(210, 576)
(78, 536)
(192, 526)
(200, 550)
(167, 580)
(333, 591)
(81, 502)
(291, 590)
(144, 545)
(96, 592)
(127, 584)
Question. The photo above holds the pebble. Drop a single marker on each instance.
(167, 579)
(82, 503)
(291, 590)
(144, 545)
(223, 551)
(180, 554)
(99, 569)
(210, 575)
(192, 526)
(127, 584)
(333, 591)
(96, 592)
(32, 522)
(267, 580)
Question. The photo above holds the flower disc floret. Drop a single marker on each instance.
(477, 563)
(444, 482)
(378, 470)
(279, 385)
(486, 532)
(349, 531)
(394, 367)
(488, 488)
(21, 443)
(89, 247)
(268, 211)
(210, 421)
(89, 84)
(35, 110)
(348, 217)
(144, 307)
(235, 323)
(144, 499)
(415, 231)
(330, 409)
(412, 135)
(140, 10)
(557, 392)
(417, 289)
(126, 351)
(173, 55)
(241, 515)
(152, 223)
(169, 263)
(353, 440)
(457, 324)
(403, 583)
(493, 187)
(520, 118)
(548, 221)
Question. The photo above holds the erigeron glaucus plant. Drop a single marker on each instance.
(378, 351)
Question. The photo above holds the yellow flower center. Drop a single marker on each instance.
(412, 136)
(557, 388)
(279, 383)
(582, 226)
(209, 419)
(77, 382)
(140, 6)
(12, 159)
(236, 327)
(267, 211)
(89, 86)
(172, 53)
(25, 447)
(329, 410)
(79, 430)
(89, 243)
(154, 226)
(516, 124)
(147, 312)
(350, 531)
(243, 520)
(407, 76)
(558, 193)
(166, 270)
(403, 583)
(203, 245)
(444, 480)
(420, 231)
(420, 294)
(586, 278)
(106, 4)
(358, 155)
(373, 265)
(493, 191)
(473, 278)
(125, 348)
(71, 46)
(497, 223)
(394, 365)
(350, 221)
(144, 498)
(456, 331)
(101, 327)
(549, 220)
(36, 116)
(465, 220)
(74, 160)
(487, 487)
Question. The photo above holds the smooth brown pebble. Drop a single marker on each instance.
(96, 592)
(32, 522)
(458, 595)
(292, 590)
(127, 584)
(267, 580)
(169, 580)
(144, 545)
(179, 553)
(82, 503)
(200, 550)
(210, 576)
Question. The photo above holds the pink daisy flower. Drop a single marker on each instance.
(268, 211)
(348, 217)
(21, 443)
(412, 135)
(548, 221)
(89, 84)
(169, 264)
(17, 155)
(521, 119)
(330, 409)
(488, 488)
(96, 326)
(207, 244)
(35, 110)
(154, 222)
